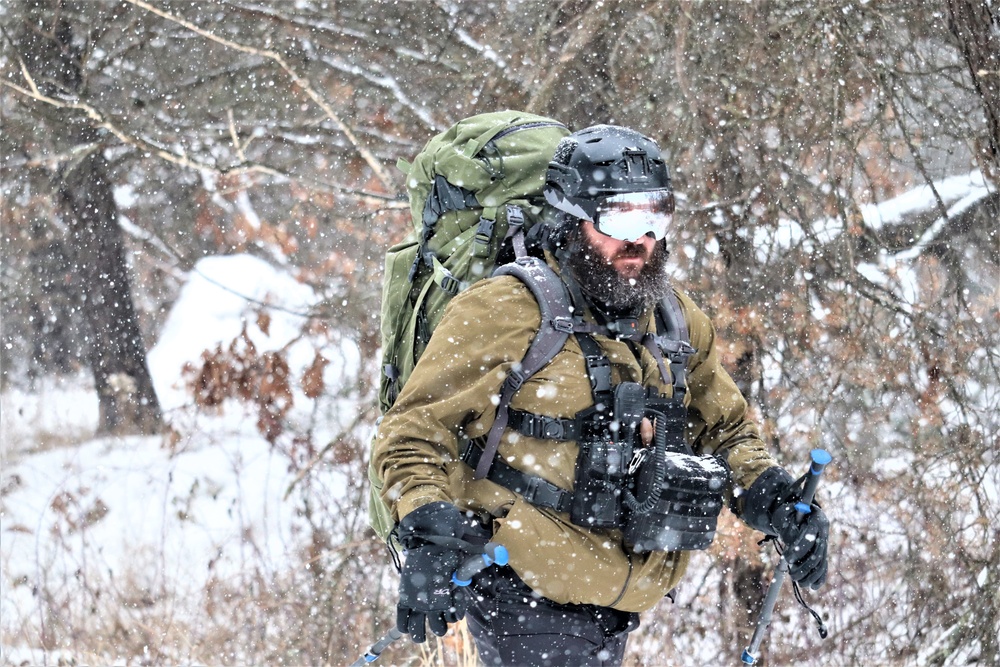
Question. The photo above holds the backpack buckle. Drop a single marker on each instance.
(538, 491)
(563, 324)
(515, 378)
(515, 216)
(450, 284)
(484, 234)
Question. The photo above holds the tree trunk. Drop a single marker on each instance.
(748, 582)
(114, 346)
(116, 354)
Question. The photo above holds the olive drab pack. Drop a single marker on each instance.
(470, 188)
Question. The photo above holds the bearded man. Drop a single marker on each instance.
(618, 455)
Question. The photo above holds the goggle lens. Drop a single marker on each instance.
(629, 217)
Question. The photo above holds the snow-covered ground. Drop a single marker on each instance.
(149, 515)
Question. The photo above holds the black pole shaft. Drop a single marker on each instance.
(820, 459)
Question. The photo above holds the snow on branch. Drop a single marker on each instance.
(152, 147)
(386, 82)
(297, 79)
(966, 187)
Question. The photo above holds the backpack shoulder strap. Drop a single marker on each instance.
(673, 341)
(556, 327)
(673, 318)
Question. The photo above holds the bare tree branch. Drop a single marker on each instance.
(976, 28)
(592, 18)
(372, 198)
(299, 80)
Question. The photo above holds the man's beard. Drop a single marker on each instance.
(610, 290)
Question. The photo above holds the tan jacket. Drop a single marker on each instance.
(454, 389)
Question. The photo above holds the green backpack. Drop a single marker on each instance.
(471, 189)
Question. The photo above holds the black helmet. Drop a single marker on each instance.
(600, 162)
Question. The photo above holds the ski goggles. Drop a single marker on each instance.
(630, 216)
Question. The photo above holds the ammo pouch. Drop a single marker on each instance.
(605, 458)
(662, 497)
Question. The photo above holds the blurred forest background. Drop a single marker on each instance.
(139, 137)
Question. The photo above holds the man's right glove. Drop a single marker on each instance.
(431, 537)
(769, 506)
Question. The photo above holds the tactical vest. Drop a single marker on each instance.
(616, 486)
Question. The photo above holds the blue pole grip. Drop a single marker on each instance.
(820, 459)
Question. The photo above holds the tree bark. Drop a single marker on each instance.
(583, 34)
(116, 354)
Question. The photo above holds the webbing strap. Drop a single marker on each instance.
(676, 325)
(444, 278)
(544, 427)
(674, 340)
(515, 230)
(536, 490)
(649, 342)
(598, 369)
(556, 326)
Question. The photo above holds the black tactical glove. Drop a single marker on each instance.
(430, 535)
(769, 506)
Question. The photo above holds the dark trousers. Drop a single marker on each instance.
(514, 627)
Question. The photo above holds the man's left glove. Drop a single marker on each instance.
(431, 536)
(769, 506)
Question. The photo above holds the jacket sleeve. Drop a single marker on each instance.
(717, 412)
(452, 389)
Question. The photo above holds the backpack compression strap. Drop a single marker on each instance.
(557, 325)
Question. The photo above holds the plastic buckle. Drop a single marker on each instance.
(552, 430)
(563, 324)
(540, 492)
(484, 234)
(451, 284)
(515, 216)
(674, 346)
(532, 426)
(515, 378)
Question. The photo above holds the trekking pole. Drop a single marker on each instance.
(820, 459)
(492, 553)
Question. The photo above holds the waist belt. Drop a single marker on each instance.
(534, 489)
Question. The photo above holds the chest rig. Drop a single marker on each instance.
(618, 482)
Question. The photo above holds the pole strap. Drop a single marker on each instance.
(820, 625)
